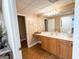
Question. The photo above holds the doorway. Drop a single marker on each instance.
(22, 31)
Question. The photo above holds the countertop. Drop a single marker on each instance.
(57, 35)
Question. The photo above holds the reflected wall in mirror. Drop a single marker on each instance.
(49, 25)
(66, 24)
(59, 24)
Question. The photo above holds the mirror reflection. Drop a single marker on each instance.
(63, 24)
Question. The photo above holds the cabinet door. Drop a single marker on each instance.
(63, 49)
(58, 48)
(69, 45)
(52, 46)
(44, 41)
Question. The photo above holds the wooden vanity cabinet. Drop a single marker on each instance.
(52, 46)
(48, 44)
(64, 49)
(58, 47)
(45, 44)
(70, 45)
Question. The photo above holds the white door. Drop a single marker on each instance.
(10, 18)
(51, 25)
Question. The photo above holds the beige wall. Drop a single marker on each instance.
(33, 24)
(57, 23)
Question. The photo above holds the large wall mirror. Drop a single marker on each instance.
(62, 24)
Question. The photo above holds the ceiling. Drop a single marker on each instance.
(39, 6)
(0, 4)
(31, 5)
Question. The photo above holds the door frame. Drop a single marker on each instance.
(26, 29)
(76, 32)
(10, 19)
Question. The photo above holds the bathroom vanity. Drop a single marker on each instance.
(59, 44)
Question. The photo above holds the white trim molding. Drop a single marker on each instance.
(33, 44)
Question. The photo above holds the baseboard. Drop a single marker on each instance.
(29, 46)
